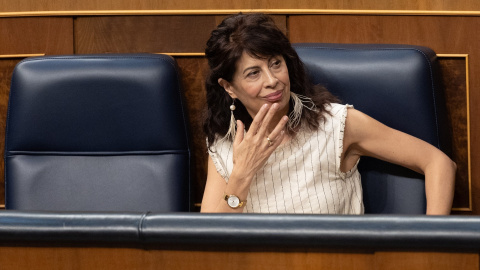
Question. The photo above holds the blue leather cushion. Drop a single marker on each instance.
(97, 132)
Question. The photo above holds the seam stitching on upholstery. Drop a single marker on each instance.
(161, 57)
(131, 153)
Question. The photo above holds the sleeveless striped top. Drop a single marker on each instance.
(303, 175)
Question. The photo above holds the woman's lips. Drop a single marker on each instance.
(274, 97)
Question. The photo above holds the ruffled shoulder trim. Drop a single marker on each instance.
(213, 151)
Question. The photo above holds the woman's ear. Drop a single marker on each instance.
(228, 87)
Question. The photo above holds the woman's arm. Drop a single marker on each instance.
(250, 152)
(364, 136)
(216, 188)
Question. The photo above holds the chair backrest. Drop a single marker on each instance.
(397, 85)
(97, 133)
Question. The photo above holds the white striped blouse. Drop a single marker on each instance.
(303, 175)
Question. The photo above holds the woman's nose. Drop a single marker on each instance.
(271, 80)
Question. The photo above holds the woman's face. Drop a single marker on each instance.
(259, 81)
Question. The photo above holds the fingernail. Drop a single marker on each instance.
(285, 118)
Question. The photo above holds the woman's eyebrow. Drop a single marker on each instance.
(248, 68)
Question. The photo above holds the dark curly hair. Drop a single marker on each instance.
(257, 35)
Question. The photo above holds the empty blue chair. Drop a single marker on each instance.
(97, 133)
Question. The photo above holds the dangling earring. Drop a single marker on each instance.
(298, 102)
(232, 129)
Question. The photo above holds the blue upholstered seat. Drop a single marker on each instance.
(97, 133)
(397, 85)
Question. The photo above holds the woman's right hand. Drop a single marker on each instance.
(252, 149)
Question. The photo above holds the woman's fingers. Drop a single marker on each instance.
(276, 136)
(240, 133)
(258, 132)
(258, 119)
(262, 119)
(252, 149)
(278, 128)
(278, 139)
(267, 118)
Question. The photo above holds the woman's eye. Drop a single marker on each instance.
(252, 74)
(276, 63)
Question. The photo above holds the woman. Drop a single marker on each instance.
(279, 144)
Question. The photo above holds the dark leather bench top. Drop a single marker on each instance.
(187, 230)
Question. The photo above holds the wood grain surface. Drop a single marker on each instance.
(51, 5)
(130, 258)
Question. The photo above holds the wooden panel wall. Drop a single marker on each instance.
(52, 258)
(122, 34)
(454, 72)
(53, 5)
(24, 33)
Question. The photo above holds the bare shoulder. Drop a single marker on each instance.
(359, 127)
(358, 131)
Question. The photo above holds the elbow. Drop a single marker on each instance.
(451, 170)
(448, 163)
(454, 166)
(451, 164)
(442, 166)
